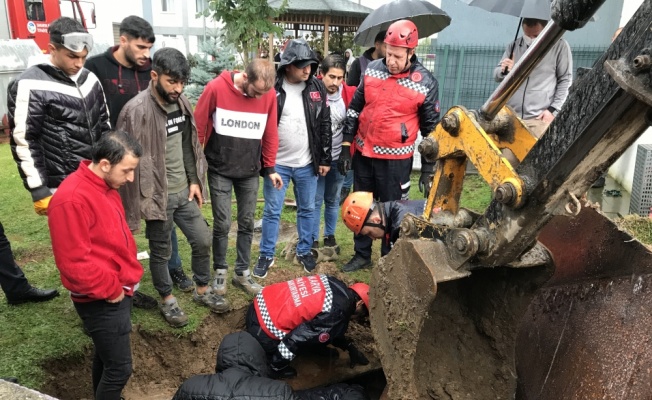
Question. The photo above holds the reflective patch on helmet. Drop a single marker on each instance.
(437, 108)
(416, 77)
(324, 337)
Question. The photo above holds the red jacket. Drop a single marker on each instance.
(237, 131)
(92, 244)
(388, 110)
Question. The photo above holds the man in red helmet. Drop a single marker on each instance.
(376, 220)
(303, 316)
(397, 98)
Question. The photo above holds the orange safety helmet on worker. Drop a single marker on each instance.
(356, 209)
(402, 33)
(362, 289)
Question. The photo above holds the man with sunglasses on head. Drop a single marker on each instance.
(236, 123)
(57, 112)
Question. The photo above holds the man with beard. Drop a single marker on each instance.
(333, 68)
(96, 255)
(236, 121)
(123, 71)
(167, 185)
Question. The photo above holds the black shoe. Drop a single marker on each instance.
(33, 295)
(356, 263)
(263, 264)
(315, 244)
(287, 372)
(329, 241)
(599, 183)
(308, 262)
(9, 379)
(181, 280)
(144, 301)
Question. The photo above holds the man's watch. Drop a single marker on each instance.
(553, 111)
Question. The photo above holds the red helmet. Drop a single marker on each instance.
(402, 33)
(355, 210)
(362, 289)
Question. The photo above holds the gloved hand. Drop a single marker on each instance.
(425, 180)
(344, 162)
(356, 356)
(41, 206)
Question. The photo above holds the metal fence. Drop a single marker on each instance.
(465, 73)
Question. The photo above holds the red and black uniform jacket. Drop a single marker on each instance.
(388, 110)
(239, 133)
(93, 247)
(307, 310)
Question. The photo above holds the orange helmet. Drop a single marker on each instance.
(355, 210)
(402, 33)
(362, 289)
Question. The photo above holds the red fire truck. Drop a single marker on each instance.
(30, 19)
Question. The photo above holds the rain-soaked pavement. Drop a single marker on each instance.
(612, 206)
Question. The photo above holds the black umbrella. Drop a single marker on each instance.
(538, 9)
(427, 17)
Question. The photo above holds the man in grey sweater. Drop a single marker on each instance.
(540, 97)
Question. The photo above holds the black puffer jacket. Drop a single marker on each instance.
(315, 97)
(54, 122)
(241, 373)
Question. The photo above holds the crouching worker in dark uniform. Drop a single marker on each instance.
(304, 315)
(242, 372)
(378, 220)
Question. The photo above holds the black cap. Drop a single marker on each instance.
(303, 63)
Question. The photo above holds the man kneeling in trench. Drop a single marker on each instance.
(241, 372)
(304, 315)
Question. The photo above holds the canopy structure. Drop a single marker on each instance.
(321, 16)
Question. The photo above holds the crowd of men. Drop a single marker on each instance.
(103, 147)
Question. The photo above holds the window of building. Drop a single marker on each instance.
(201, 5)
(34, 9)
(167, 5)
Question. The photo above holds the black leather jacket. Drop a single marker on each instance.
(318, 114)
(54, 123)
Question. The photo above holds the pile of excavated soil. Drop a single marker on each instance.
(161, 360)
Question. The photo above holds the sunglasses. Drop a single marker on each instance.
(77, 41)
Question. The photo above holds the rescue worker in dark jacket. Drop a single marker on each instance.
(378, 220)
(241, 372)
(306, 314)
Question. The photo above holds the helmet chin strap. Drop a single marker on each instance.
(381, 211)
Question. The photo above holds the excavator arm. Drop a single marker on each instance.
(448, 300)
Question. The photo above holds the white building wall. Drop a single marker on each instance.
(623, 169)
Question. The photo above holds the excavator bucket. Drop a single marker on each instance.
(580, 328)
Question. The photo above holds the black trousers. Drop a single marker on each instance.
(387, 179)
(12, 279)
(109, 325)
(253, 327)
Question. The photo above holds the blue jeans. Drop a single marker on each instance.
(348, 180)
(305, 185)
(328, 191)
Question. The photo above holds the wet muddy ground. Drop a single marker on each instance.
(161, 360)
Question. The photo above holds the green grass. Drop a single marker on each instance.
(32, 334)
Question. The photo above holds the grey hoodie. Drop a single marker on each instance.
(547, 85)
